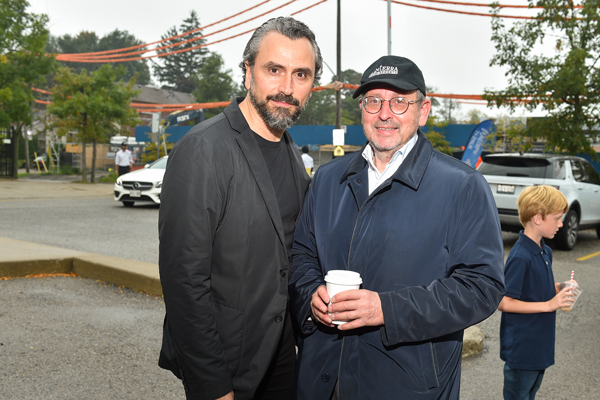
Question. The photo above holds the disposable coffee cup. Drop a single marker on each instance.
(575, 290)
(340, 280)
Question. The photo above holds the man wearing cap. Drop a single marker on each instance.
(422, 230)
(123, 160)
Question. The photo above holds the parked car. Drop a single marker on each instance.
(575, 177)
(142, 185)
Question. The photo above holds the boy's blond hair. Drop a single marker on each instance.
(542, 199)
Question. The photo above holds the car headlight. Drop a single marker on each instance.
(158, 184)
(119, 183)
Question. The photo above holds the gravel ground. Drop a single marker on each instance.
(75, 338)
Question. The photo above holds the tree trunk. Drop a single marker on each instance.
(16, 131)
(83, 144)
(93, 174)
(83, 168)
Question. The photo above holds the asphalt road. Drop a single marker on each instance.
(72, 338)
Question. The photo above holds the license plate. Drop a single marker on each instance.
(506, 189)
(135, 193)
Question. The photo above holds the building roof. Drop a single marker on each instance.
(153, 95)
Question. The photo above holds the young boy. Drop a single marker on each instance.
(527, 327)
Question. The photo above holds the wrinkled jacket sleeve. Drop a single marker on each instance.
(192, 204)
(307, 275)
(475, 283)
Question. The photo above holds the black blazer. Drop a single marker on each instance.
(223, 263)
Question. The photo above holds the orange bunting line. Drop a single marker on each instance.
(169, 38)
(108, 58)
(115, 57)
(460, 12)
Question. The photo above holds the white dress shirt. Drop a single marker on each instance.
(376, 178)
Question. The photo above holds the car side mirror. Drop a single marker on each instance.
(147, 166)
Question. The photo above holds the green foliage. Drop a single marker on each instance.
(149, 154)
(475, 116)
(321, 106)
(110, 178)
(565, 83)
(320, 109)
(87, 42)
(23, 64)
(93, 105)
(177, 71)
(66, 169)
(435, 135)
(214, 83)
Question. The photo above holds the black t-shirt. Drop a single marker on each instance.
(282, 176)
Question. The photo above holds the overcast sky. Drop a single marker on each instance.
(452, 50)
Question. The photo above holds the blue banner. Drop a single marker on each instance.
(476, 142)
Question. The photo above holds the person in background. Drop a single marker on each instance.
(422, 230)
(123, 160)
(307, 160)
(231, 197)
(528, 322)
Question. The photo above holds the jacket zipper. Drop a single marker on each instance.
(348, 268)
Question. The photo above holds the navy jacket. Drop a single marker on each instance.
(223, 261)
(428, 240)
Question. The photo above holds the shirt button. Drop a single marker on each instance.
(278, 318)
(325, 377)
(282, 273)
(359, 181)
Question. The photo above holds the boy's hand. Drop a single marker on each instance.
(564, 298)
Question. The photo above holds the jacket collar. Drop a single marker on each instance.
(412, 169)
(251, 150)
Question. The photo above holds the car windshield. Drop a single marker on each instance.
(159, 164)
(517, 166)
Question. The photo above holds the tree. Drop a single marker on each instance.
(178, 71)
(88, 42)
(93, 105)
(214, 83)
(321, 106)
(565, 84)
(475, 116)
(23, 64)
(436, 137)
(509, 135)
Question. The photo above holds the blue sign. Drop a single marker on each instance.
(476, 141)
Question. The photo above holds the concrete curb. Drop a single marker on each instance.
(19, 259)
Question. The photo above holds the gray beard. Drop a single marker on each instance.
(278, 118)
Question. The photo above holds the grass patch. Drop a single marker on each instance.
(110, 178)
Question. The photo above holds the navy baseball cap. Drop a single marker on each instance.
(397, 72)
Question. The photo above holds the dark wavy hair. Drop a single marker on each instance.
(288, 27)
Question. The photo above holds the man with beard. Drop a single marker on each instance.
(232, 193)
(422, 230)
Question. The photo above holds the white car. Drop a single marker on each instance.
(141, 185)
(575, 177)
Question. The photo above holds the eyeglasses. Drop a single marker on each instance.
(398, 105)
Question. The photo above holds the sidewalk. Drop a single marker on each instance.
(51, 186)
(19, 258)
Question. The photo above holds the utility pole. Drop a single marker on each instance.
(338, 93)
(389, 26)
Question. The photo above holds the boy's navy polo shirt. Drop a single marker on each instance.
(527, 340)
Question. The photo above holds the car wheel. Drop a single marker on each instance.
(128, 203)
(598, 231)
(567, 235)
